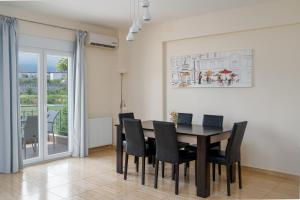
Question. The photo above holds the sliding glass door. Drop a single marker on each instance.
(44, 86)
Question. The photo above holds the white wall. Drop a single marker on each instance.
(270, 106)
(100, 61)
(272, 30)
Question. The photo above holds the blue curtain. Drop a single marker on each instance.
(10, 136)
(79, 121)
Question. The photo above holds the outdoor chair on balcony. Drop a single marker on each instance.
(51, 116)
(31, 133)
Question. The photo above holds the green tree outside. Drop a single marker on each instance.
(62, 65)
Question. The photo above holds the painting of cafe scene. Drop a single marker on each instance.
(214, 69)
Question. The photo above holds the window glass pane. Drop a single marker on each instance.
(57, 103)
(29, 101)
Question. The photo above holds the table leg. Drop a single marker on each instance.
(203, 172)
(119, 150)
(232, 173)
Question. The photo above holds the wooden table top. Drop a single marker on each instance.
(194, 129)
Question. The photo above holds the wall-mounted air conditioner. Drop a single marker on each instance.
(95, 39)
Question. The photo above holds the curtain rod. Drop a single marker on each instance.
(41, 23)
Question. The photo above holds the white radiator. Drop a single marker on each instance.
(100, 131)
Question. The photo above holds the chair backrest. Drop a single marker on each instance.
(135, 139)
(166, 142)
(215, 121)
(123, 116)
(235, 141)
(184, 118)
(51, 116)
(31, 128)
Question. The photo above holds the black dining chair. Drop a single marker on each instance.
(232, 155)
(167, 149)
(214, 121)
(31, 133)
(184, 118)
(136, 144)
(122, 117)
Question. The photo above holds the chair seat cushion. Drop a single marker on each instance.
(187, 155)
(216, 145)
(213, 146)
(182, 145)
(217, 156)
(150, 148)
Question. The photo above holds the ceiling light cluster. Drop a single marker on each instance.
(137, 22)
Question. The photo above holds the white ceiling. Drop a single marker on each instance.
(115, 13)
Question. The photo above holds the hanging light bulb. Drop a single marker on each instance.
(147, 16)
(134, 27)
(130, 36)
(136, 18)
(145, 3)
(139, 23)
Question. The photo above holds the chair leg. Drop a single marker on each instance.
(156, 173)
(173, 172)
(137, 164)
(126, 166)
(185, 169)
(53, 140)
(143, 170)
(240, 174)
(214, 171)
(153, 161)
(33, 147)
(228, 179)
(163, 169)
(176, 178)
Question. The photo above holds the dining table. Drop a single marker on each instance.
(195, 134)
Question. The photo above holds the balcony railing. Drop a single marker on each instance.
(60, 122)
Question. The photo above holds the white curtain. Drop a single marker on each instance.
(10, 135)
(79, 121)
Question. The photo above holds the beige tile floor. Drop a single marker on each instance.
(94, 178)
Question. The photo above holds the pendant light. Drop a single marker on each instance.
(145, 3)
(130, 36)
(147, 15)
(137, 20)
(139, 23)
(136, 25)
